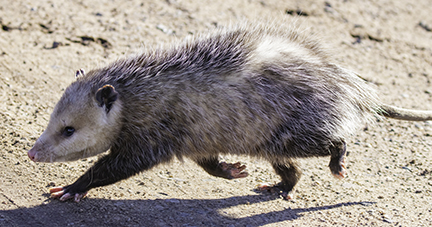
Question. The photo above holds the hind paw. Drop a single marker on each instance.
(341, 174)
(339, 170)
(337, 166)
(276, 189)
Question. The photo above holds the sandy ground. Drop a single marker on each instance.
(389, 43)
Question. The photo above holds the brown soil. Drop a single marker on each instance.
(389, 43)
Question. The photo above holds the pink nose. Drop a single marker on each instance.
(31, 153)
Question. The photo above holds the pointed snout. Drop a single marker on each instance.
(35, 152)
(32, 154)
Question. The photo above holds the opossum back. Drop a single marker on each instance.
(237, 88)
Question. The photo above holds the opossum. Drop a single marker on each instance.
(269, 92)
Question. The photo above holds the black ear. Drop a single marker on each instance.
(106, 96)
(79, 73)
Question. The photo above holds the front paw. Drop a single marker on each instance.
(65, 193)
(233, 170)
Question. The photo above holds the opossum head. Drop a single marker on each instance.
(84, 123)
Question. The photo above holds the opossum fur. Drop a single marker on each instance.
(264, 91)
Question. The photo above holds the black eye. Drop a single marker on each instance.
(68, 131)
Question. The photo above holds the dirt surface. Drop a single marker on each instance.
(389, 43)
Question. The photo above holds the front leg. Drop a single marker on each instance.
(107, 170)
(222, 169)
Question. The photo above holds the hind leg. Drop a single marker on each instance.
(290, 174)
(337, 160)
(222, 169)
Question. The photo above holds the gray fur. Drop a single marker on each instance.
(261, 91)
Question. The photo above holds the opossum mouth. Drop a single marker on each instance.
(76, 156)
(61, 158)
(72, 156)
(65, 157)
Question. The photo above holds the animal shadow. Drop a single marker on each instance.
(158, 212)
